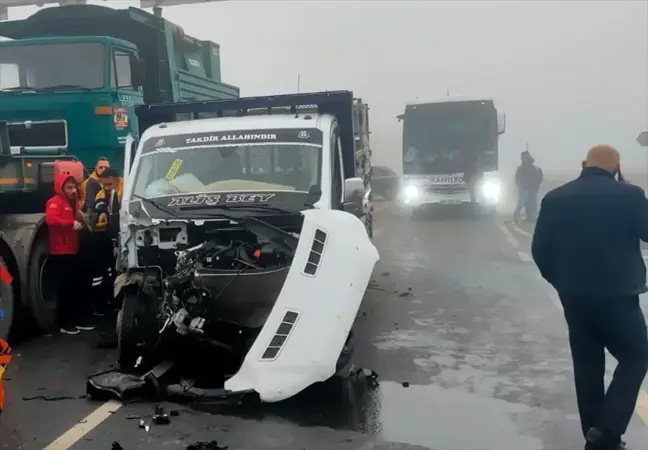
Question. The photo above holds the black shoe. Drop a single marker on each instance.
(86, 326)
(69, 329)
(597, 440)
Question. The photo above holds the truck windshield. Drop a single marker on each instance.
(444, 141)
(228, 168)
(44, 66)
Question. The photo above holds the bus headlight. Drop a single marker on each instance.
(491, 190)
(411, 192)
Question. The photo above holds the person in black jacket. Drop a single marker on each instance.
(587, 246)
(528, 178)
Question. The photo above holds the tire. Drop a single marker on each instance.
(43, 292)
(6, 308)
(344, 360)
(369, 224)
(137, 330)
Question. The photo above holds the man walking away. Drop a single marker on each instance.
(528, 178)
(91, 186)
(65, 221)
(587, 246)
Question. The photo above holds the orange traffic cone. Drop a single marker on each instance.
(5, 359)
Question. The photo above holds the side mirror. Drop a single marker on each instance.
(501, 122)
(138, 71)
(400, 117)
(354, 192)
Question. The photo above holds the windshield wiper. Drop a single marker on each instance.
(62, 87)
(18, 89)
(177, 215)
(242, 207)
(159, 206)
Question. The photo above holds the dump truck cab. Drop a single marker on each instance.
(66, 96)
(71, 76)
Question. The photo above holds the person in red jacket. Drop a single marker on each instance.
(65, 221)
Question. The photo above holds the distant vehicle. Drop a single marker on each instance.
(385, 182)
(450, 154)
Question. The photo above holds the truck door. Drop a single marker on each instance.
(337, 179)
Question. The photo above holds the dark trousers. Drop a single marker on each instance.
(103, 276)
(619, 325)
(70, 298)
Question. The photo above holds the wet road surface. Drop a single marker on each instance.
(456, 312)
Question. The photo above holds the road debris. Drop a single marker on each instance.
(370, 376)
(160, 417)
(204, 445)
(116, 446)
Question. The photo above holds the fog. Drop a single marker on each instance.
(569, 74)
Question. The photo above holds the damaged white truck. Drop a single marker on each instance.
(245, 228)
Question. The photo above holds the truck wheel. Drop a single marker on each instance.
(6, 308)
(369, 224)
(344, 361)
(43, 287)
(137, 331)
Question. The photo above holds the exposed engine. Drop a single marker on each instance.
(210, 294)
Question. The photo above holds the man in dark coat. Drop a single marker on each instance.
(528, 178)
(587, 246)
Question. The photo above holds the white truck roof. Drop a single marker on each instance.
(217, 124)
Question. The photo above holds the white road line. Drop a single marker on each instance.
(519, 229)
(96, 417)
(508, 235)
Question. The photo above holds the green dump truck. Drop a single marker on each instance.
(70, 78)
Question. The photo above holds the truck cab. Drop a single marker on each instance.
(71, 77)
(281, 153)
(231, 211)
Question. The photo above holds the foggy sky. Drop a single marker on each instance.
(569, 74)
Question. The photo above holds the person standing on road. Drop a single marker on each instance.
(65, 221)
(528, 178)
(91, 186)
(586, 244)
(107, 205)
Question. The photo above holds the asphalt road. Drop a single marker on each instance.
(456, 312)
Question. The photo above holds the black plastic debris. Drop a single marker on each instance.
(116, 446)
(160, 417)
(405, 294)
(114, 384)
(204, 445)
(370, 376)
(52, 398)
(174, 413)
(405, 384)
